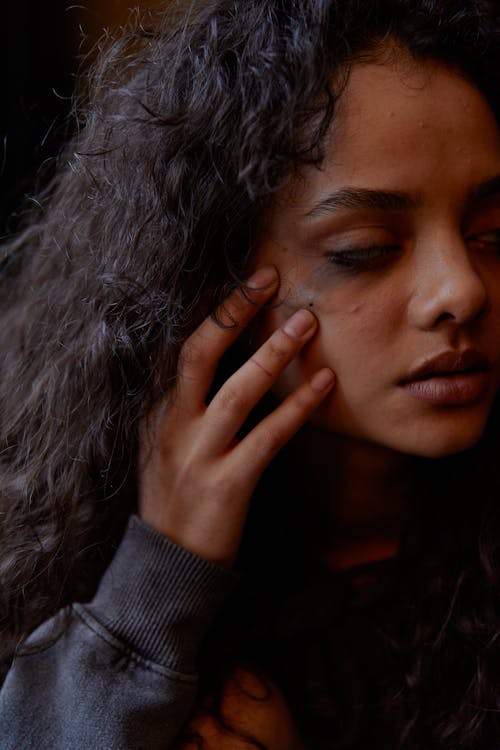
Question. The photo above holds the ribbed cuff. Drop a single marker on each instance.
(158, 598)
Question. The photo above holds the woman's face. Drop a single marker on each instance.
(394, 244)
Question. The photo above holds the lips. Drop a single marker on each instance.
(451, 377)
(450, 363)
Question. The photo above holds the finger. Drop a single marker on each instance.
(242, 391)
(262, 444)
(204, 348)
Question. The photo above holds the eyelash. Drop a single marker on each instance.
(495, 233)
(375, 256)
(363, 258)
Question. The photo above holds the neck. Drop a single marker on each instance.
(358, 495)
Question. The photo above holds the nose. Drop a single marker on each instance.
(448, 288)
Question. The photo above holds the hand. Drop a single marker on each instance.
(195, 478)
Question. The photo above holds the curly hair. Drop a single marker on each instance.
(185, 127)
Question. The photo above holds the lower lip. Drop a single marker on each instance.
(465, 388)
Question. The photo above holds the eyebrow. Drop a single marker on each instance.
(384, 200)
(359, 198)
(485, 189)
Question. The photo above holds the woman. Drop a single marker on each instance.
(323, 177)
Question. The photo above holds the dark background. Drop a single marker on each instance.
(46, 42)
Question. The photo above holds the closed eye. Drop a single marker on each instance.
(487, 240)
(365, 258)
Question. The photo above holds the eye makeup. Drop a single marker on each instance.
(366, 258)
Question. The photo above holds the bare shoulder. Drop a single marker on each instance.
(252, 707)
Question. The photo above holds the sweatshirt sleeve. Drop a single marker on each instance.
(121, 674)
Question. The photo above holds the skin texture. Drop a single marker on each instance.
(412, 128)
(195, 477)
(424, 130)
(425, 279)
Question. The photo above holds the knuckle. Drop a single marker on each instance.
(195, 352)
(256, 360)
(223, 487)
(190, 351)
(270, 440)
(277, 348)
(234, 309)
(229, 399)
(241, 299)
(226, 316)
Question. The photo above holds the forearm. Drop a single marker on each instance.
(122, 675)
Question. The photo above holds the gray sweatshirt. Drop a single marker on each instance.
(122, 676)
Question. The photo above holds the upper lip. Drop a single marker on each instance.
(450, 362)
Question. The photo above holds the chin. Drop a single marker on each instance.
(427, 440)
(442, 450)
(440, 444)
(435, 434)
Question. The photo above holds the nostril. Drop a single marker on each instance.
(445, 316)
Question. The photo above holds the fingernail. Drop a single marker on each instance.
(262, 278)
(322, 380)
(299, 324)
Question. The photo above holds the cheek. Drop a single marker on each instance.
(356, 338)
(345, 330)
(345, 336)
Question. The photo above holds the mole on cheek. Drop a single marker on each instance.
(305, 297)
(296, 299)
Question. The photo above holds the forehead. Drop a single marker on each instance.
(413, 126)
(410, 104)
